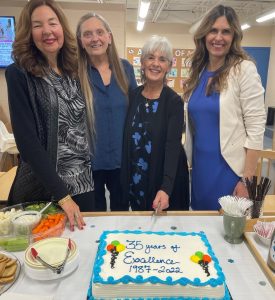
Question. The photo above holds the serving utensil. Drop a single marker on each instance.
(44, 208)
(60, 267)
(43, 262)
(235, 206)
(69, 248)
(257, 192)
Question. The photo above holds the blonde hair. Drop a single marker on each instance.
(200, 56)
(83, 63)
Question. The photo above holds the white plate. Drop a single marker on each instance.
(53, 251)
(5, 287)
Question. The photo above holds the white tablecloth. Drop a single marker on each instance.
(242, 272)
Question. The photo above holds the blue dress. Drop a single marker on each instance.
(212, 177)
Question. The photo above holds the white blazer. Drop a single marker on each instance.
(242, 117)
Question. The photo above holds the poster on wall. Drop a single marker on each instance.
(7, 33)
(180, 66)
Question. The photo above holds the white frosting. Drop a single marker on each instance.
(156, 255)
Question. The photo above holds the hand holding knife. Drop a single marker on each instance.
(156, 211)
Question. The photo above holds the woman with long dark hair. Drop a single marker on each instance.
(225, 111)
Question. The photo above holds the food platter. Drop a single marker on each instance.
(23, 224)
(5, 287)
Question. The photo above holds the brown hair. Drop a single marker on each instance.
(26, 54)
(200, 56)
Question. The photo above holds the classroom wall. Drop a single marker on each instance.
(179, 36)
(126, 35)
(270, 87)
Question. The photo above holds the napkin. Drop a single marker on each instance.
(13, 296)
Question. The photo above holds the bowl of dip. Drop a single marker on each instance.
(25, 221)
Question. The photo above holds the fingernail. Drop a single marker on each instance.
(81, 228)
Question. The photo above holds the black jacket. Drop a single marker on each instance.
(34, 120)
(168, 166)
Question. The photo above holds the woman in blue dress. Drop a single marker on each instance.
(225, 111)
(154, 166)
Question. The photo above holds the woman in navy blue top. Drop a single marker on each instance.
(105, 81)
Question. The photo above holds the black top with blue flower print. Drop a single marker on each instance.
(141, 148)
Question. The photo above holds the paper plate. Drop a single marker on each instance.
(53, 251)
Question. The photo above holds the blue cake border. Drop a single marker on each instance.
(153, 279)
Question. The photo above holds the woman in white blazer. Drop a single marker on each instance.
(225, 113)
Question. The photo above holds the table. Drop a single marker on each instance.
(242, 272)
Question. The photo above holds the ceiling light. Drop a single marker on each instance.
(266, 17)
(143, 8)
(140, 25)
(245, 26)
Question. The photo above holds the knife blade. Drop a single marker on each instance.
(156, 211)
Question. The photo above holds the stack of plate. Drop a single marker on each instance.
(53, 251)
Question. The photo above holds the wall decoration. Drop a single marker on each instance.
(137, 72)
(173, 73)
(184, 72)
(171, 83)
(180, 66)
(174, 64)
(136, 61)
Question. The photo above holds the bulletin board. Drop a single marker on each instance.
(179, 71)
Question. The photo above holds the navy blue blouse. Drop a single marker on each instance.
(110, 105)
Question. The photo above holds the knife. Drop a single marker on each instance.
(156, 211)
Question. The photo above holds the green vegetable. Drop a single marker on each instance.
(52, 209)
(13, 244)
(35, 207)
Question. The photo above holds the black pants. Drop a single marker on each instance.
(110, 178)
(85, 201)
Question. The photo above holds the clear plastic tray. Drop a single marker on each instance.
(9, 233)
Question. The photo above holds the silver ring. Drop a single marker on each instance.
(77, 216)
